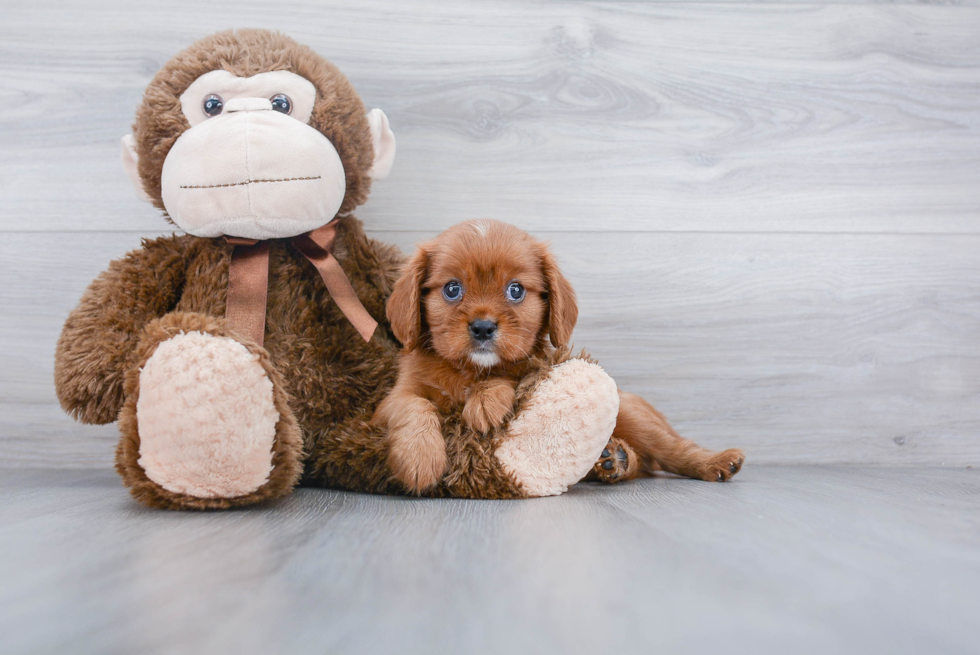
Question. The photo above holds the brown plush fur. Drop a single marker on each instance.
(325, 377)
(331, 374)
(436, 374)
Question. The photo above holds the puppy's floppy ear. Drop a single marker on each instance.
(404, 308)
(562, 307)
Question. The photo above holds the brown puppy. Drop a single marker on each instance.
(471, 308)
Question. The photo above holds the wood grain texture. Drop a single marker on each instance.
(770, 210)
(795, 347)
(784, 559)
(567, 115)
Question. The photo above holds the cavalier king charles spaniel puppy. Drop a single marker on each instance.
(471, 309)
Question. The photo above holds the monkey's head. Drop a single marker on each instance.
(247, 133)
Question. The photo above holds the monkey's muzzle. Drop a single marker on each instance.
(252, 172)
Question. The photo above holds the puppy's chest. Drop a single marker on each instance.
(453, 397)
(447, 397)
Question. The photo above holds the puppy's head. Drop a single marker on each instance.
(482, 293)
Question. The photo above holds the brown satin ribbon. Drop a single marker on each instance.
(248, 282)
(317, 246)
(248, 287)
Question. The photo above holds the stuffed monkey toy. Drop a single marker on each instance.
(243, 357)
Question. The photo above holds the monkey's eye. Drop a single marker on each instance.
(515, 292)
(213, 105)
(281, 102)
(452, 291)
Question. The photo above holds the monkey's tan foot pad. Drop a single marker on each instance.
(617, 462)
(206, 417)
(558, 436)
(211, 428)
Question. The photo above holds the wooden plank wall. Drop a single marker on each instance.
(771, 211)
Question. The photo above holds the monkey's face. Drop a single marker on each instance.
(250, 165)
(249, 134)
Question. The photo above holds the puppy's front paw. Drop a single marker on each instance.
(723, 466)
(488, 406)
(417, 455)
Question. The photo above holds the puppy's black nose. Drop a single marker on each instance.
(483, 329)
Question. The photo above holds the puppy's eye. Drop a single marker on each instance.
(213, 105)
(452, 291)
(281, 102)
(515, 292)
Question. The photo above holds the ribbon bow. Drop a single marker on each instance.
(248, 282)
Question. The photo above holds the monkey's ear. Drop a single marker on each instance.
(562, 306)
(404, 308)
(383, 140)
(130, 161)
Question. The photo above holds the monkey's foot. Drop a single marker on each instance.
(617, 462)
(558, 436)
(205, 424)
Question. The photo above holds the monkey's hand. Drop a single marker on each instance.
(98, 342)
(488, 404)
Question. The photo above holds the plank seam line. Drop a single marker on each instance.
(433, 232)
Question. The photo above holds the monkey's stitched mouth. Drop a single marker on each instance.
(216, 186)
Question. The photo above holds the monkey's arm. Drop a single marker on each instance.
(102, 332)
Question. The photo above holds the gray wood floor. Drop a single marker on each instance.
(771, 214)
(804, 559)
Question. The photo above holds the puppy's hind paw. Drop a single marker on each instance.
(723, 466)
(617, 462)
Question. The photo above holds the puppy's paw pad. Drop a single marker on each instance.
(723, 466)
(617, 462)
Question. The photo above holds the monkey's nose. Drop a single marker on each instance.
(248, 104)
(483, 330)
